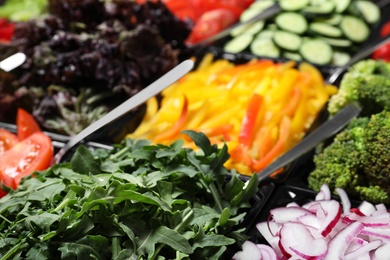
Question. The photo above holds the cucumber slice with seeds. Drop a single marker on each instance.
(370, 11)
(253, 29)
(354, 28)
(292, 22)
(265, 48)
(338, 42)
(289, 5)
(288, 41)
(316, 51)
(325, 29)
(340, 58)
(341, 5)
(239, 43)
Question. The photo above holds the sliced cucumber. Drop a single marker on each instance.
(325, 29)
(341, 5)
(292, 56)
(316, 51)
(255, 8)
(268, 34)
(325, 8)
(334, 19)
(370, 11)
(292, 22)
(239, 43)
(295, 5)
(265, 48)
(354, 28)
(287, 40)
(272, 27)
(338, 42)
(340, 58)
(253, 29)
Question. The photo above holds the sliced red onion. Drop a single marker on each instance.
(268, 229)
(267, 252)
(382, 220)
(332, 211)
(249, 252)
(284, 215)
(324, 193)
(310, 221)
(367, 208)
(363, 250)
(380, 209)
(296, 239)
(292, 204)
(382, 253)
(339, 244)
(344, 200)
(377, 233)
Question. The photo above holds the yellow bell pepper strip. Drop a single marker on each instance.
(259, 109)
(249, 120)
(177, 127)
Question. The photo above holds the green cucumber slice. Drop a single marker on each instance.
(292, 56)
(292, 22)
(265, 48)
(255, 8)
(370, 11)
(325, 29)
(316, 51)
(354, 28)
(239, 43)
(269, 34)
(338, 42)
(341, 5)
(295, 5)
(288, 41)
(253, 29)
(325, 8)
(334, 19)
(340, 58)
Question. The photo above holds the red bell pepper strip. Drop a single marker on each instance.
(249, 121)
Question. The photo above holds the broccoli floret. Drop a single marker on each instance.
(358, 160)
(368, 82)
(377, 142)
(339, 163)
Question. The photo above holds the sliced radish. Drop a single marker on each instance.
(296, 239)
(382, 253)
(344, 200)
(284, 215)
(249, 252)
(324, 193)
(267, 252)
(363, 250)
(339, 244)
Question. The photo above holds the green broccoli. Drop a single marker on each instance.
(368, 82)
(358, 160)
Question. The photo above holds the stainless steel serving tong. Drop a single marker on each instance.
(153, 89)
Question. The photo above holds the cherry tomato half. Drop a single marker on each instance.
(32, 154)
(7, 140)
(382, 53)
(385, 29)
(26, 124)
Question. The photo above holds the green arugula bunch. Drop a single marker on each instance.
(137, 201)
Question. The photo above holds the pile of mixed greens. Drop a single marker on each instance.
(358, 159)
(138, 201)
(86, 57)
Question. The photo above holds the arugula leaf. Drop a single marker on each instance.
(83, 161)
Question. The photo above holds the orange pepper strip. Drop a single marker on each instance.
(177, 127)
(265, 141)
(249, 121)
(284, 132)
(292, 105)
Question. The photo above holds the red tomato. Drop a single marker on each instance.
(6, 30)
(32, 154)
(26, 124)
(210, 23)
(385, 30)
(7, 140)
(382, 53)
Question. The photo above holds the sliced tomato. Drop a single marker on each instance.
(385, 29)
(26, 124)
(7, 140)
(210, 23)
(382, 53)
(32, 154)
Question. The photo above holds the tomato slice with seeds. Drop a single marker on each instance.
(32, 154)
(7, 140)
(26, 124)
